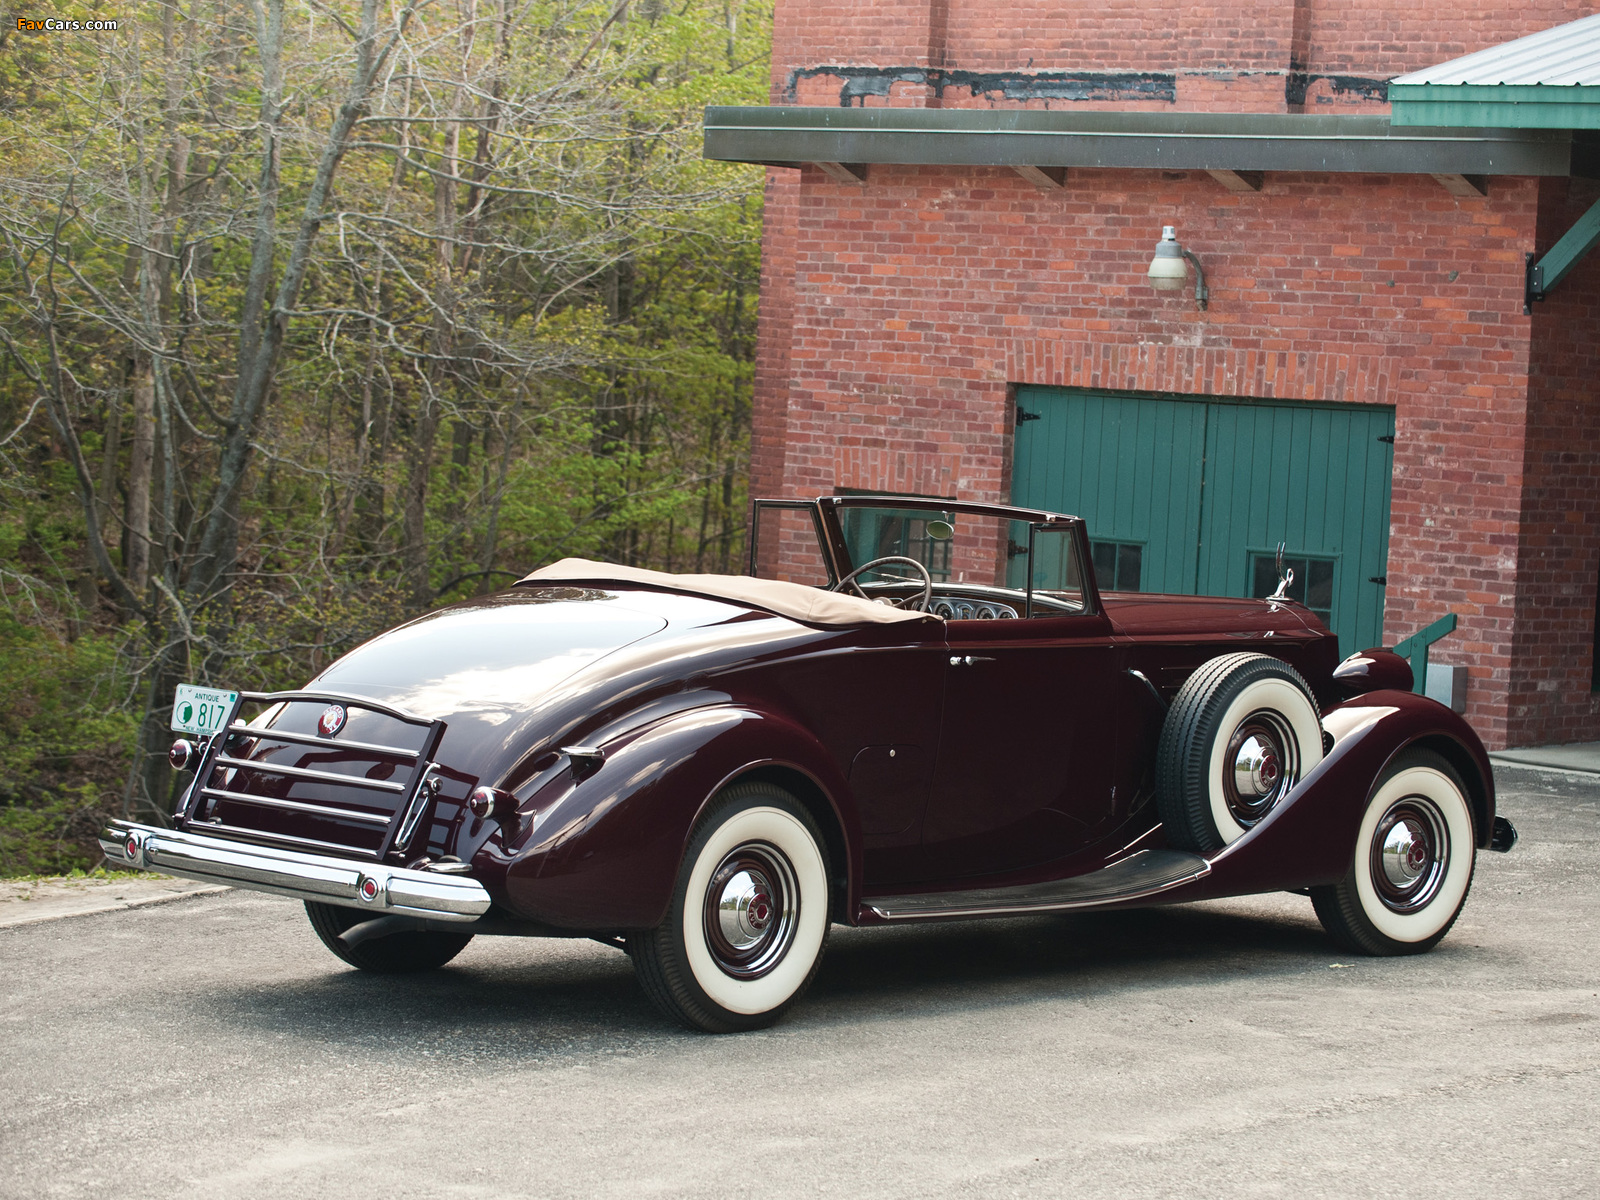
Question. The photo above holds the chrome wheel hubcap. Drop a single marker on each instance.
(752, 906)
(1410, 854)
(1260, 766)
(745, 908)
(1256, 769)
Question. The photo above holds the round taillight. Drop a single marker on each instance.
(132, 849)
(368, 888)
(181, 754)
(486, 801)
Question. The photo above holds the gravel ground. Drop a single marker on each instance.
(210, 1047)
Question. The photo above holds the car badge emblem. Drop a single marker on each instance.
(331, 720)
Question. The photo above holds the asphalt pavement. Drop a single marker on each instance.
(210, 1047)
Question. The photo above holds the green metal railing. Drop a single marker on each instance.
(1415, 649)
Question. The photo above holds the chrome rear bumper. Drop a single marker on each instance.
(370, 886)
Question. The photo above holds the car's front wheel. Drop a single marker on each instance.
(1413, 863)
(748, 920)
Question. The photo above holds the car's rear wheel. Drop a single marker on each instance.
(1242, 732)
(395, 954)
(1413, 863)
(748, 920)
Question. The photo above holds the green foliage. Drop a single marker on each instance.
(64, 732)
(557, 365)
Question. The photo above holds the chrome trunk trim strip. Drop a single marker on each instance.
(245, 764)
(321, 810)
(217, 825)
(311, 739)
(388, 710)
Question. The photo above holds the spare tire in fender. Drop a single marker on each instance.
(1242, 732)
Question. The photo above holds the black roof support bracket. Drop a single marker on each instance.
(1550, 270)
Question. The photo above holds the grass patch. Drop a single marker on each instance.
(77, 873)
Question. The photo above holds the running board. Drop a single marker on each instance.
(1143, 874)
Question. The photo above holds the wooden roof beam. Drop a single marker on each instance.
(844, 172)
(1470, 187)
(1044, 178)
(1239, 181)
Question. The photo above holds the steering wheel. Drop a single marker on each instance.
(921, 604)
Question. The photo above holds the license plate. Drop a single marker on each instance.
(201, 710)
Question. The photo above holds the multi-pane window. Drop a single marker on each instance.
(880, 532)
(1312, 586)
(1117, 565)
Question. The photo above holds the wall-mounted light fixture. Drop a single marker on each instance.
(1169, 268)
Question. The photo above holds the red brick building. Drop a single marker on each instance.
(935, 271)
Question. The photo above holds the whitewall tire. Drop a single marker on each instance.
(1414, 858)
(1242, 732)
(749, 918)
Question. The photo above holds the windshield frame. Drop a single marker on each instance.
(834, 545)
(824, 543)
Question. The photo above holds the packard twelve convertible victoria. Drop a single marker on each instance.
(909, 710)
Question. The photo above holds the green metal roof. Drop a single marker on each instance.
(790, 135)
(1547, 80)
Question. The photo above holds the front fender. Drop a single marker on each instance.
(1309, 838)
(605, 855)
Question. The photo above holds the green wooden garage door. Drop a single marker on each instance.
(1193, 496)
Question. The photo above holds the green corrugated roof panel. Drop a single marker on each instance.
(1547, 80)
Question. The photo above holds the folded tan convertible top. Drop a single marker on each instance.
(794, 600)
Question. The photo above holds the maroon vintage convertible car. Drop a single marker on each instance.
(909, 711)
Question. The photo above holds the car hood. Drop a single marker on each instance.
(1144, 614)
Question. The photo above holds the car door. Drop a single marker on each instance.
(1032, 709)
(1027, 744)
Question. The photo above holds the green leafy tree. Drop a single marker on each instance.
(313, 315)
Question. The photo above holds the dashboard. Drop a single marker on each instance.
(975, 601)
(957, 609)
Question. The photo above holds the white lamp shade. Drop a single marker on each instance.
(1168, 273)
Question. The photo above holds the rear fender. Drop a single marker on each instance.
(605, 855)
(1309, 838)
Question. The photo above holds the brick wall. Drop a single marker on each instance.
(774, 325)
(920, 298)
(1245, 56)
(897, 316)
(1558, 553)
(1384, 38)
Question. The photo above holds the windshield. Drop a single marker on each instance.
(981, 557)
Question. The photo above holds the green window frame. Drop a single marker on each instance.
(1315, 583)
(1118, 564)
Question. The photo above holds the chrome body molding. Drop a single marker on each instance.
(370, 886)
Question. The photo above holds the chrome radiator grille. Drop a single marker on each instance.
(361, 787)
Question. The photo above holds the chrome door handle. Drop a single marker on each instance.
(967, 660)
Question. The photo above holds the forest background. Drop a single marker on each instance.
(316, 314)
